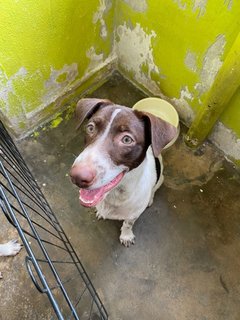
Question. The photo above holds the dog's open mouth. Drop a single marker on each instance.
(90, 198)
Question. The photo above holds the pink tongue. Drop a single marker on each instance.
(90, 198)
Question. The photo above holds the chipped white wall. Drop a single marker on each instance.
(201, 6)
(59, 81)
(198, 6)
(7, 92)
(7, 88)
(137, 5)
(182, 105)
(210, 65)
(175, 48)
(46, 54)
(95, 59)
(135, 54)
(191, 61)
(229, 4)
(212, 62)
(181, 4)
(103, 8)
(226, 140)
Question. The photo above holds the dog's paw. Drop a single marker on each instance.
(127, 238)
(10, 249)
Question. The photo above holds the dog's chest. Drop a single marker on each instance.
(117, 204)
(131, 197)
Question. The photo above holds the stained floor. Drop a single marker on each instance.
(185, 264)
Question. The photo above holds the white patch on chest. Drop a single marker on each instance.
(131, 197)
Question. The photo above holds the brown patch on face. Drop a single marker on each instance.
(160, 131)
(87, 107)
(100, 121)
(130, 133)
(125, 123)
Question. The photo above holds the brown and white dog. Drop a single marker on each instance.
(120, 168)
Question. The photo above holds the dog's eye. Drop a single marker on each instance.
(127, 140)
(90, 128)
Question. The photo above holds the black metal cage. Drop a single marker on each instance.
(51, 261)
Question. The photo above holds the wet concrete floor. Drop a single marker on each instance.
(185, 264)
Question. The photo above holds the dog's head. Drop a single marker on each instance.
(116, 141)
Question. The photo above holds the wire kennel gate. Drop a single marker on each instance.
(51, 261)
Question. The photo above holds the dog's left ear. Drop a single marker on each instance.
(87, 107)
(161, 132)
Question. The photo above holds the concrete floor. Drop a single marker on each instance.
(185, 263)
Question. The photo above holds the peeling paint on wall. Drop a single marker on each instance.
(228, 3)
(56, 122)
(135, 53)
(137, 5)
(182, 106)
(95, 59)
(36, 78)
(212, 62)
(104, 6)
(58, 80)
(201, 6)
(7, 87)
(196, 6)
(190, 61)
(181, 4)
(226, 140)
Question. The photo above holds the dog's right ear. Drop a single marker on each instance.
(87, 107)
(161, 132)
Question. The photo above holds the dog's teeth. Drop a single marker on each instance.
(85, 201)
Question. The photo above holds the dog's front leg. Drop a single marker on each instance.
(127, 237)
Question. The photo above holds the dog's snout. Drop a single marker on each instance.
(82, 175)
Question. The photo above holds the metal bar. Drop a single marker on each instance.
(22, 173)
(41, 246)
(31, 254)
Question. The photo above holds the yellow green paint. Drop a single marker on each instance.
(40, 39)
(231, 114)
(224, 86)
(36, 134)
(184, 27)
(53, 51)
(55, 123)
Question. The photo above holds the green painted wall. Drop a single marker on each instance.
(176, 48)
(47, 47)
(52, 50)
(231, 116)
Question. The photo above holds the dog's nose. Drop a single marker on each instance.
(82, 175)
